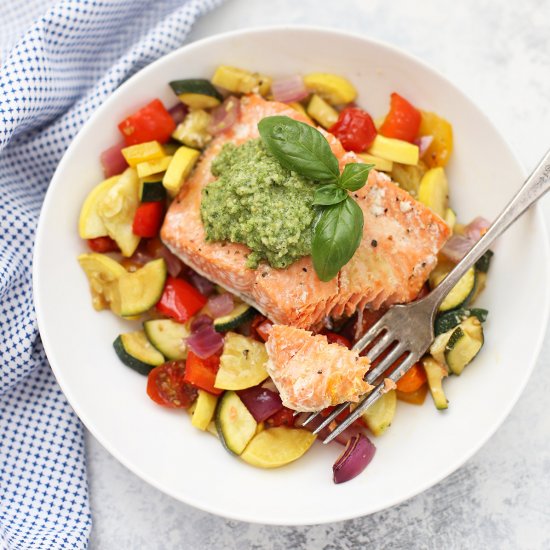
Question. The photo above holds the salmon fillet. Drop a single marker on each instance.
(312, 374)
(401, 239)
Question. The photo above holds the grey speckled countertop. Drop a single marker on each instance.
(498, 52)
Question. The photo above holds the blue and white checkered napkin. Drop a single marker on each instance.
(66, 58)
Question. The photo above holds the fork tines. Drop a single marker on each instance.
(382, 340)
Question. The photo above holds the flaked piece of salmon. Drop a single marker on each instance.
(401, 239)
(312, 374)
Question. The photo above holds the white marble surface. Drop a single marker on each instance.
(498, 52)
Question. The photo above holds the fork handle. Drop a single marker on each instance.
(536, 185)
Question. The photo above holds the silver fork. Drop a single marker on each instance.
(409, 327)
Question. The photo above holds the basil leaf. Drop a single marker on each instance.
(355, 176)
(337, 235)
(326, 195)
(299, 147)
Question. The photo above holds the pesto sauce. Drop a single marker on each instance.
(258, 202)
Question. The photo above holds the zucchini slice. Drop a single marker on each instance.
(483, 264)
(298, 107)
(153, 167)
(143, 152)
(103, 274)
(205, 408)
(450, 218)
(460, 294)
(142, 289)
(136, 352)
(183, 161)
(235, 425)
(464, 344)
(240, 314)
(380, 164)
(320, 111)
(197, 93)
(450, 319)
(90, 224)
(276, 447)
(168, 337)
(437, 349)
(117, 209)
(481, 281)
(152, 191)
(240, 81)
(434, 191)
(435, 372)
(379, 416)
(395, 150)
(193, 131)
(335, 89)
(242, 364)
(408, 176)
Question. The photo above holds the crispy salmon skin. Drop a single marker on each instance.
(401, 239)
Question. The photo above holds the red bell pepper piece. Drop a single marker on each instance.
(355, 129)
(103, 244)
(403, 120)
(150, 123)
(201, 373)
(180, 300)
(413, 379)
(148, 219)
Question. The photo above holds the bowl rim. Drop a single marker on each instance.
(39, 246)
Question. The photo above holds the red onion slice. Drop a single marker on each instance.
(270, 385)
(354, 459)
(457, 247)
(112, 160)
(423, 143)
(351, 431)
(178, 112)
(476, 228)
(202, 284)
(261, 402)
(301, 418)
(173, 264)
(219, 305)
(224, 115)
(204, 340)
(200, 321)
(289, 89)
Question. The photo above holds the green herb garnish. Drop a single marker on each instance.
(339, 226)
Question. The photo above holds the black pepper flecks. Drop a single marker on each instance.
(374, 243)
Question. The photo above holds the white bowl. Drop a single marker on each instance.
(423, 445)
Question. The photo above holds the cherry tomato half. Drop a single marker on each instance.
(167, 387)
(355, 129)
(103, 244)
(284, 417)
